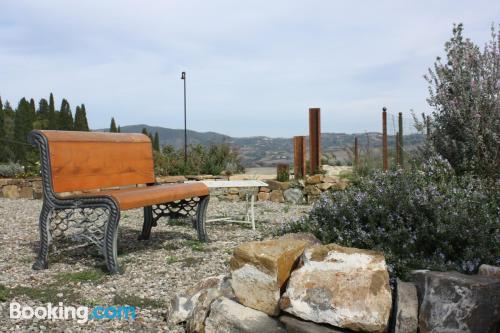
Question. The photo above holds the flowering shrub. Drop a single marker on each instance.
(464, 93)
(426, 218)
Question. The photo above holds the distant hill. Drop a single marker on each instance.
(265, 151)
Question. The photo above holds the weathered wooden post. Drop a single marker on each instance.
(299, 156)
(282, 172)
(397, 149)
(356, 153)
(400, 140)
(384, 139)
(314, 140)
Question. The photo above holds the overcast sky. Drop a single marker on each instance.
(253, 67)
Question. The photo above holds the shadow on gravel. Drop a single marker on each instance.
(67, 250)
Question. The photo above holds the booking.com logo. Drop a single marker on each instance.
(81, 314)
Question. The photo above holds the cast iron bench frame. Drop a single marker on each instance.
(194, 207)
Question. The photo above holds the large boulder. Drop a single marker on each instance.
(183, 304)
(195, 322)
(260, 269)
(277, 196)
(406, 320)
(294, 195)
(340, 286)
(488, 270)
(454, 302)
(227, 316)
(294, 325)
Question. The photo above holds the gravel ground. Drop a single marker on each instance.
(155, 270)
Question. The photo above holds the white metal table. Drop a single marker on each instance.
(250, 200)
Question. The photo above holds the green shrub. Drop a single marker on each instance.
(213, 160)
(420, 219)
(11, 170)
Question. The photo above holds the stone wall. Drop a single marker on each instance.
(295, 192)
(21, 188)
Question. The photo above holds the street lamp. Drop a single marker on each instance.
(183, 77)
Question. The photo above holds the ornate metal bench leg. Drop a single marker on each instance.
(110, 242)
(148, 223)
(44, 225)
(201, 213)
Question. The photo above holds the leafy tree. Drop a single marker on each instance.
(52, 116)
(3, 136)
(464, 92)
(145, 131)
(119, 129)
(65, 116)
(156, 142)
(112, 127)
(81, 123)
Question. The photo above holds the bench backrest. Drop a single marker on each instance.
(95, 160)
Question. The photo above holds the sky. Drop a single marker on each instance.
(253, 67)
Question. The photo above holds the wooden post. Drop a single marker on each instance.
(384, 139)
(282, 172)
(314, 140)
(400, 140)
(299, 156)
(398, 163)
(356, 153)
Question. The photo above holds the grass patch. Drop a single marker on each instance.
(179, 222)
(93, 302)
(172, 246)
(228, 251)
(3, 293)
(91, 275)
(124, 299)
(195, 245)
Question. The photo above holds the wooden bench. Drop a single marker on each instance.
(97, 166)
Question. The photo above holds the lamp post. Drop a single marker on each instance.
(183, 77)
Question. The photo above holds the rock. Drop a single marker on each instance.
(294, 325)
(264, 189)
(303, 236)
(294, 195)
(314, 179)
(406, 308)
(233, 190)
(263, 196)
(227, 316)
(330, 179)
(260, 269)
(195, 322)
(488, 270)
(340, 286)
(324, 186)
(313, 190)
(183, 304)
(454, 302)
(277, 196)
(171, 179)
(26, 192)
(312, 198)
(340, 185)
(10, 191)
(275, 185)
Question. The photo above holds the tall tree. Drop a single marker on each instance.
(145, 131)
(119, 129)
(65, 116)
(3, 144)
(81, 123)
(156, 142)
(42, 115)
(112, 126)
(23, 124)
(52, 117)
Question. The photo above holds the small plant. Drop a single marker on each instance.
(195, 245)
(11, 170)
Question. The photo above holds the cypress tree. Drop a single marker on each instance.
(42, 116)
(156, 142)
(119, 129)
(65, 116)
(112, 127)
(145, 131)
(23, 124)
(52, 117)
(3, 144)
(81, 119)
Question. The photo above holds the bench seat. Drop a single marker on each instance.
(137, 197)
